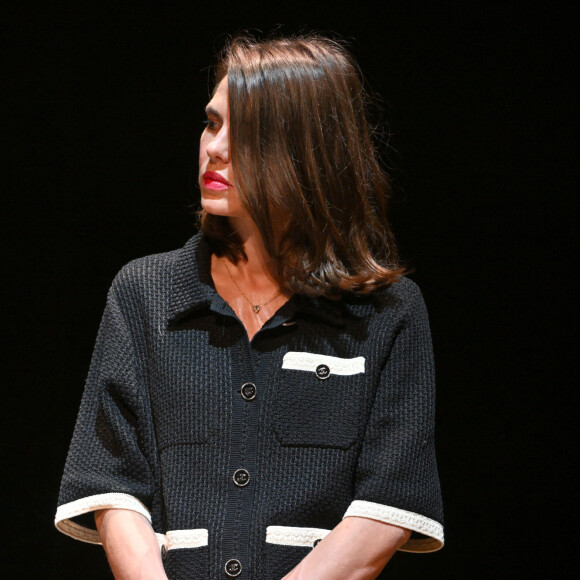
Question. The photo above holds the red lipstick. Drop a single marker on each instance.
(213, 180)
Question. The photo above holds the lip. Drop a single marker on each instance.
(213, 180)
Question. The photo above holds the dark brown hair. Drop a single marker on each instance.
(302, 152)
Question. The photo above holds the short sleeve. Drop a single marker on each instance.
(396, 480)
(110, 462)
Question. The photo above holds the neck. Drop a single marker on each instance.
(259, 261)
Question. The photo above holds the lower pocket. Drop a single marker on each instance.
(185, 554)
(280, 560)
(286, 546)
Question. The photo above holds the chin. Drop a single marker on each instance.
(215, 206)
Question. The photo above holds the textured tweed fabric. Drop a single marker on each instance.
(339, 419)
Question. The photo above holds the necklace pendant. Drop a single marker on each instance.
(256, 308)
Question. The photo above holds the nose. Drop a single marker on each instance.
(219, 146)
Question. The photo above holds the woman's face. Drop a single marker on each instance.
(219, 195)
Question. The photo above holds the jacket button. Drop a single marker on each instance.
(322, 371)
(241, 477)
(248, 391)
(316, 542)
(163, 551)
(233, 568)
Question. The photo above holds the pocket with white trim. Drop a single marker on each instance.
(185, 553)
(318, 400)
(286, 546)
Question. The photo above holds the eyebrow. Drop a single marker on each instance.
(209, 110)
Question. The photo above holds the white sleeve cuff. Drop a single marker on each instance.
(404, 519)
(65, 512)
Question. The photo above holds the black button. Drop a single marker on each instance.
(241, 477)
(248, 391)
(316, 542)
(233, 568)
(322, 371)
(164, 551)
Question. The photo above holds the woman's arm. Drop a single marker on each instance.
(130, 544)
(357, 549)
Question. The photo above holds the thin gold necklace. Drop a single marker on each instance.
(255, 307)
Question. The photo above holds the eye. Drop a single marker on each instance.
(210, 125)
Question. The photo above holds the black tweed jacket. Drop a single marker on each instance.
(244, 455)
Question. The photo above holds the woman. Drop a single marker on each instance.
(260, 402)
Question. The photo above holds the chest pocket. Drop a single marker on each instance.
(317, 400)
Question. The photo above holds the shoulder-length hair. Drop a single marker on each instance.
(304, 163)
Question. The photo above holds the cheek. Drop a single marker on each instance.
(202, 150)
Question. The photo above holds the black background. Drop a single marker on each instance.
(102, 111)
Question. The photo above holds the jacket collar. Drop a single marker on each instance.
(192, 286)
(193, 289)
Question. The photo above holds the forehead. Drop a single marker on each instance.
(219, 100)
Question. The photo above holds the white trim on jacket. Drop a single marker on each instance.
(308, 361)
(404, 519)
(290, 536)
(92, 503)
